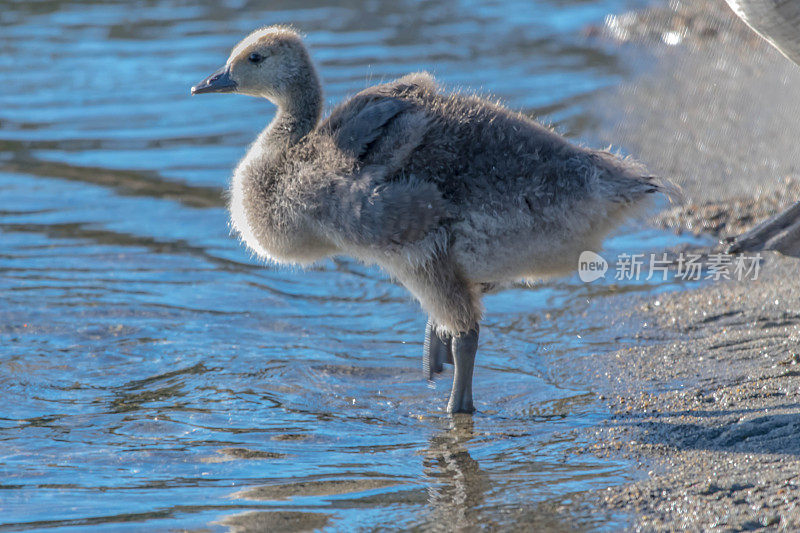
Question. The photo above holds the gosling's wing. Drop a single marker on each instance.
(358, 131)
(778, 21)
(376, 205)
(372, 211)
(359, 122)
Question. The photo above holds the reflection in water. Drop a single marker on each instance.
(259, 521)
(151, 370)
(127, 182)
(458, 485)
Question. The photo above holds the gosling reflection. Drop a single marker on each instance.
(458, 485)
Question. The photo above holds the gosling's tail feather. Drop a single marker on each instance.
(626, 179)
(631, 189)
(671, 190)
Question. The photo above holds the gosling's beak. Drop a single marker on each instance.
(219, 82)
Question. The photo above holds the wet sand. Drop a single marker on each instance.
(708, 403)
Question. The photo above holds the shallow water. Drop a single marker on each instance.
(155, 377)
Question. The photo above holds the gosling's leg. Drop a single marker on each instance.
(436, 352)
(464, 347)
(453, 303)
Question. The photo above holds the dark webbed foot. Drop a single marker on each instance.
(464, 347)
(436, 352)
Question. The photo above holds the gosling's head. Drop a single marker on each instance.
(271, 63)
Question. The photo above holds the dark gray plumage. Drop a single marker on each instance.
(449, 193)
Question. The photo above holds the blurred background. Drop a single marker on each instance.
(155, 377)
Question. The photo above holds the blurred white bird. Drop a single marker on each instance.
(777, 21)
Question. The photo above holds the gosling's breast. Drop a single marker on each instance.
(276, 229)
(240, 220)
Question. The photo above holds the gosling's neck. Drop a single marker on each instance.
(298, 111)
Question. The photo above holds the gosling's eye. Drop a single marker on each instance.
(255, 57)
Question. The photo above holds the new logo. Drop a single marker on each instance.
(591, 266)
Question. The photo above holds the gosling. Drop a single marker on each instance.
(449, 193)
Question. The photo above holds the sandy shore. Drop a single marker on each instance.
(709, 403)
